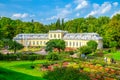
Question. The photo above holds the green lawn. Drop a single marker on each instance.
(115, 55)
(6, 74)
(21, 69)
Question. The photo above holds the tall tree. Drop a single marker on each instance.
(55, 43)
(13, 45)
(92, 44)
(62, 24)
(58, 25)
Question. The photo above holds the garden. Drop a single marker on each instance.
(59, 64)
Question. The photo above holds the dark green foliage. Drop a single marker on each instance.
(65, 74)
(55, 43)
(92, 44)
(113, 44)
(21, 56)
(58, 25)
(13, 45)
(52, 56)
(10, 44)
(85, 50)
(71, 52)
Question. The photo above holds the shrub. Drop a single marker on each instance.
(65, 74)
(52, 56)
(1, 56)
(21, 56)
(85, 50)
(99, 53)
(71, 52)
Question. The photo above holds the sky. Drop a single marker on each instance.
(48, 11)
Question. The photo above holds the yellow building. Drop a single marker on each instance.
(73, 40)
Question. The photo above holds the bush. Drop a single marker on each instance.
(1, 56)
(21, 56)
(85, 50)
(99, 53)
(65, 74)
(52, 56)
(71, 52)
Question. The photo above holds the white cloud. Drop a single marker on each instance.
(96, 6)
(105, 7)
(20, 15)
(80, 4)
(115, 4)
(61, 12)
(117, 12)
(52, 18)
(68, 6)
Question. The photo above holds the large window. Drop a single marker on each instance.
(54, 35)
(33, 42)
(66, 43)
(77, 44)
(69, 43)
(37, 42)
(50, 35)
(73, 44)
(58, 35)
(29, 43)
(44, 42)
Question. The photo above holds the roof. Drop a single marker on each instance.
(31, 36)
(67, 36)
(81, 36)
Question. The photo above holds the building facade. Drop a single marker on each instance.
(72, 40)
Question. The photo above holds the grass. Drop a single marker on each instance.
(6, 74)
(20, 68)
(115, 55)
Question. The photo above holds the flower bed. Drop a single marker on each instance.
(95, 72)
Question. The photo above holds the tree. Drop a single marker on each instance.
(1, 44)
(62, 25)
(113, 45)
(85, 50)
(92, 44)
(13, 45)
(55, 43)
(58, 25)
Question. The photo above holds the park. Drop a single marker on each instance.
(59, 64)
(54, 59)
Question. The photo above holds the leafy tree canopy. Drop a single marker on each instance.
(85, 50)
(55, 43)
(92, 44)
